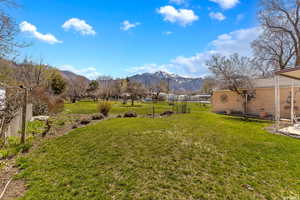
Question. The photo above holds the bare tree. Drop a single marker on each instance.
(8, 30)
(273, 49)
(208, 84)
(281, 19)
(34, 75)
(135, 90)
(77, 88)
(105, 86)
(10, 104)
(234, 73)
(7, 72)
(116, 88)
(158, 88)
(92, 89)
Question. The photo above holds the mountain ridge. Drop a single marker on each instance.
(176, 82)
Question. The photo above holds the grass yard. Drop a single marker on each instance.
(194, 156)
(90, 107)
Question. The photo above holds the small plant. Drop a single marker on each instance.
(36, 127)
(3, 153)
(23, 148)
(13, 141)
(104, 107)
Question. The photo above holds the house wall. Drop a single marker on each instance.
(264, 100)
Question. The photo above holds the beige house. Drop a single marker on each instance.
(226, 101)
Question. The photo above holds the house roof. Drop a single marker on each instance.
(293, 73)
(269, 82)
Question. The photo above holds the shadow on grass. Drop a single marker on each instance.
(130, 106)
(242, 119)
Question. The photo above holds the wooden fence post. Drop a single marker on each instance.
(24, 113)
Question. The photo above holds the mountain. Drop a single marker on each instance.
(176, 82)
(72, 76)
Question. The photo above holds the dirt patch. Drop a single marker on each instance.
(16, 187)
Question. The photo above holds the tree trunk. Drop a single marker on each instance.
(132, 102)
(2, 132)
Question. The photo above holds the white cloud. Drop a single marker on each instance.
(26, 27)
(226, 4)
(90, 72)
(194, 66)
(217, 15)
(79, 25)
(126, 25)
(178, 2)
(182, 17)
(148, 68)
(236, 41)
(167, 33)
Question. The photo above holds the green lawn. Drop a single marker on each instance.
(89, 107)
(194, 156)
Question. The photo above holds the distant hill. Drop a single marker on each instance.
(176, 82)
(72, 76)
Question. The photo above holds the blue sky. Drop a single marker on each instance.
(124, 37)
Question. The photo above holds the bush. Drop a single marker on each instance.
(36, 127)
(24, 148)
(167, 113)
(85, 121)
(104, 107)
(13, 141)
(130, 114)
(56, 105)
(44, 103)
(98, 116)
(3, 153)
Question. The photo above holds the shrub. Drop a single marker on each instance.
(56, 105)
(23, 148)
(85, 121)
(3, 153)
(13, 141)
(98, 116)
(35, 127)
(130, 114)
(167, 113)
(104, 107)
(45, 103)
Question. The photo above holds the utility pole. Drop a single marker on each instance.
(24, 113)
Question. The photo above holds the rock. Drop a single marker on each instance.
(248, 187)
(74, 126)
(98, 116)
(167, 113)
(85, 121)
(40, 118)
(130, 114)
